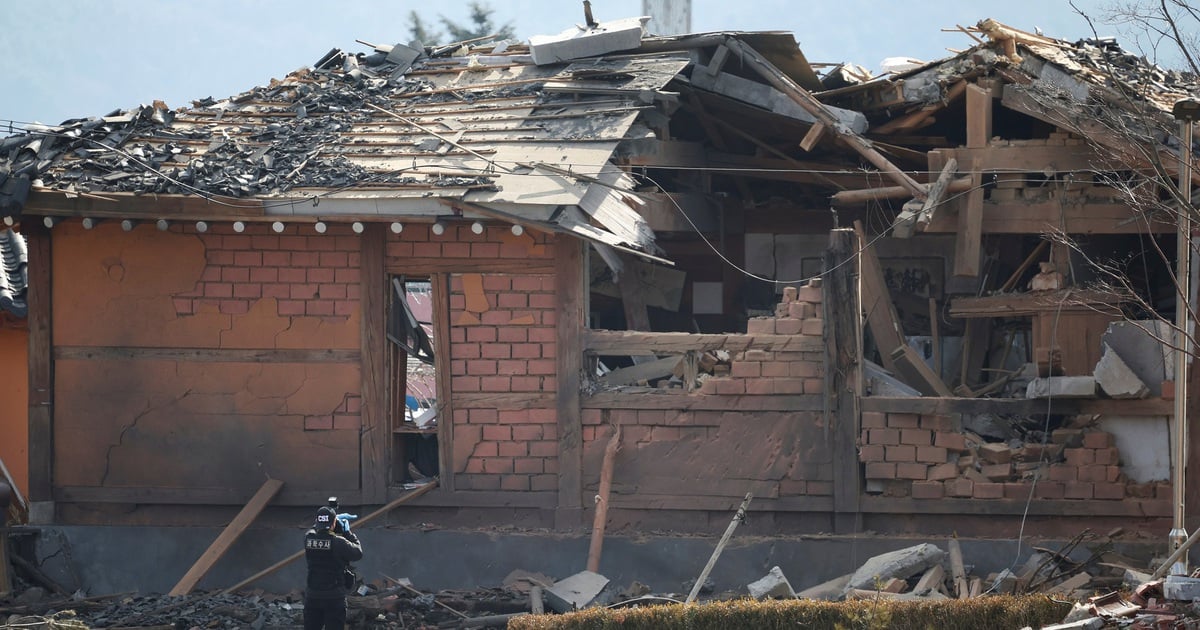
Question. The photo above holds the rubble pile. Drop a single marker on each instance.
(299, 146)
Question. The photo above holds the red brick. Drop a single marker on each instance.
(1108, 491)
(318, 308)
(1049, 490)
(987, 490)
(1098, 439)
(1063, 472)
(526, 432)
(1113, 474)
(760, 326)
(465, 384)
(820, 488)
(529, 465)
(304, 259)
(495, 384)
(889, 437)
(543, 448)
(730, 386)
(814, 385)
(953, 442)
(881, 471)
(1077, 490)
(518, 483)
(873, 420)
(290, 307)
(746, 369)
(931, 454)
(959, 487)
(788, 326)
(427, 250)
(928, 490)
(916, 437)
(497, 433)
(303, 291)
(1016, 490)
(760, 386)
(543, 483)
(484, 450)
(465, 350)
(804, 369)
(481, 334)
(1106, 456)
(1093, 473)
(941, 472)
(900, 454)
(813, 327)
(903, 420)
(1079, 456)
(912, 471)
(871, 453)
(776, 369)
(248, 259)
(319, 275)
(513, 449)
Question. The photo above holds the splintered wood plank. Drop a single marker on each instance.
(915, 372)
(877, 302)
(570, 289)
(228, 536)
(979, 116)
(961, 589)
(931, 580)
(969, 240)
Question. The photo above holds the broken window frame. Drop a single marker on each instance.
(407, 338)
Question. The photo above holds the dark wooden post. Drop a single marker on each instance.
(569, 286)
(843, 375)
(376, 432)
(41, 369)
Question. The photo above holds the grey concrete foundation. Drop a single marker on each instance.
(106, 560)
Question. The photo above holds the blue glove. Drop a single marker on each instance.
(344, 519)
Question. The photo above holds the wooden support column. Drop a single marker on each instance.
(41, 367)
(969, 240)
(440, 284)
(375, 432)
(843, 374)
(569, 287)
(979, 116)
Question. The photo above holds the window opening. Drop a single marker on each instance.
(413, 391)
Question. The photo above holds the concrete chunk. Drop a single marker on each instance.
(1116, 378)
(1181, 588)
(829, 590)
(774, 585)
(577, 43)
(575, 592)
(902, 563)
(1062, 387)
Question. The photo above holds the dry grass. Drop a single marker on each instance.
(983, 613)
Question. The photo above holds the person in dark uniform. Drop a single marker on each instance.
(329, 548)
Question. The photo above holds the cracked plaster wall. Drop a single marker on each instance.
(142, 422)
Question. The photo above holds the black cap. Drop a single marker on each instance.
(325, 518)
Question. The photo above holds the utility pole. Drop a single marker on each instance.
(1186, 111)
(669, 17)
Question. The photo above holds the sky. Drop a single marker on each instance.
(77, 58)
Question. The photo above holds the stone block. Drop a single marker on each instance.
(902, 564)
(575, 592)
(1117, 379)
(773, 585)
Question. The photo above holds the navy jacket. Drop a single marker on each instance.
(328, 556)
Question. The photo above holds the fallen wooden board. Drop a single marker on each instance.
(228, 536)
(931, 580)
(641, 372)
(961, 588)
(296, 556)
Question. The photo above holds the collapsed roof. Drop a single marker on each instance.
(399, 133)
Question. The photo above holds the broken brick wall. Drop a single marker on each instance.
(927, 456)
(758, 428)
(188, 360)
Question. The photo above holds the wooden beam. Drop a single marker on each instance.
(569, 288)
(877, 303)
(957, 570)
(1019, 406)
(653, 398)
(620, 342)
(41, 362)
(814, 135)
(376, 426)
(916, 119)
(228, 536)
(969, 240)
(430, 266)
(979, 116)
(804, 99)
(867, 195)
(1054, 215)
(600, 518)
(917, 214)
(843, 374)
(1034, 156)
(913, 370)
(5, 571)
(206, 355)
(443, 380)
(152, 206)
(361, 521)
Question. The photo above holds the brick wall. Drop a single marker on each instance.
(930, 457)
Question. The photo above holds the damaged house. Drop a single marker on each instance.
(477, 263)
